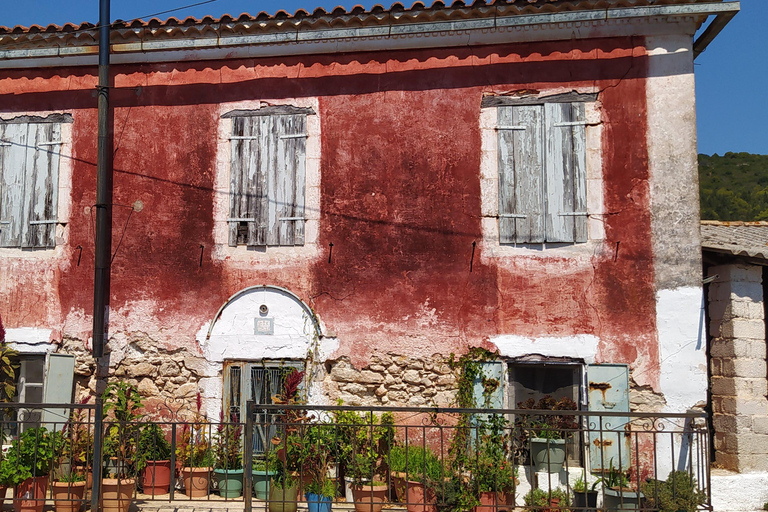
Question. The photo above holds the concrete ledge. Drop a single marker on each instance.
(737, 492)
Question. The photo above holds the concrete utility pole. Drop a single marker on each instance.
(103, 238)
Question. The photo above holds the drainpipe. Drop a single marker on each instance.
(103, 240)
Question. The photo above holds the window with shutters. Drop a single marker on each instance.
(30, 149)
(257, 381)
(542, 169)
(268, 176)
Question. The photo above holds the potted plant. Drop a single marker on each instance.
(417, 475)
(539, 500)
(367, 439)
(283, 487)
(493, 474)
(80, 443)
(194, 454)
(228, 452)
(153, 456)
(548, 433)
(68, 492)
(678, 493)
(311, 446)
(618, 493)
(262, 474)
(584, 497)
(27, 465)
(122, 402)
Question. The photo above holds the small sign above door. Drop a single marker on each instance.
(264, 326)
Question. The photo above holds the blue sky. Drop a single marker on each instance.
(731, 76)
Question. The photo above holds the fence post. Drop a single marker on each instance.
(248, 457)
(173, 460)
(97, 458)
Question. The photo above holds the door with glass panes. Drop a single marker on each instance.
(258, 381)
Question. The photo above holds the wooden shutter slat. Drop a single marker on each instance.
(42, 184)
(579, 137)
(564, 167)
(520, 175)
(283, 179)
(268, 169)
(299, 181)
(238, 148)
(12, 189)
(256, 179)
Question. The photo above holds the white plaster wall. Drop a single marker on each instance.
(29, 340)
(232, 335)
(738, 492)
(579, 346)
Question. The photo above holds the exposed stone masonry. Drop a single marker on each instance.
(393, 380)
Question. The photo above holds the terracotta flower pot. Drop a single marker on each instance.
(29, 495)
(67, 496)
(369, 498)
(157, 477)
(117, 494)
(197, 481)
(493, 501)
(87, 473)
(419, 499)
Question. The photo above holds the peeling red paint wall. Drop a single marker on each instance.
(400, 201)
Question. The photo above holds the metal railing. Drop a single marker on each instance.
(418, 459)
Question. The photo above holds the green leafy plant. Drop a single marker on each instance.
(228, 444)
(31, 455)
(361, 441)
(122, 401)
(615, 478)
(548, 426)
(72, 477)
(325, 488)
(152, 446)
(192, 448)
(539, 499)
(8, 366)
(678, 493)
(491, 468)
(581, 485)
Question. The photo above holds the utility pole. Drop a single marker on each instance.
(103, 239)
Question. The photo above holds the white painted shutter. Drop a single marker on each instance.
(29, 181)
(57, 389)
(521, 162)
(267, 177)
(566, 219)
(14, 140)
(41, 185)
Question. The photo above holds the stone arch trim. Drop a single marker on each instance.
(307, 309)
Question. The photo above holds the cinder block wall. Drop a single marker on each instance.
(738, 365)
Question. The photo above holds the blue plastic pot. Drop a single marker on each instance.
(317, 503)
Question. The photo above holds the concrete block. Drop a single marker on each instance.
(740, 425)
(760, 424)
(753, 444)
(745, 309)
(723, 386)
(746, 367)
(753, 462)
(717, 310)
(752, 407)
(739, 386)
(738, 273)
(743, 328)
(727, 347)
(747, 290)
(716, 367)
(728, 461)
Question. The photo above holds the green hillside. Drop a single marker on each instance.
(733, 186)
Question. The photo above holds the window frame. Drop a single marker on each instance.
(38, 215)
(491, 170)
(268, 176)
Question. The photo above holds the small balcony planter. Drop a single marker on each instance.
(117, 494)
(29, 495)
(156, 478)
(419, 498)
(68, 495)
(318, 503)
(261, 478)
(230, 482)
(548, 454)
(283, 496)
(197, 481)
(622, 499)
(493, 501)
(370, 497)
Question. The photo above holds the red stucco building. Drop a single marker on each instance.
(363, 193)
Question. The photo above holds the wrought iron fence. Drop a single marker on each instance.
(418, 459)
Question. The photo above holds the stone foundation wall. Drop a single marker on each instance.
(392, 380)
